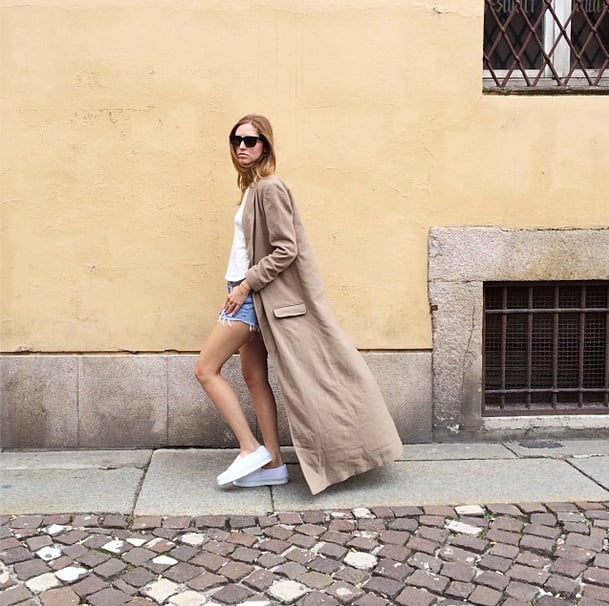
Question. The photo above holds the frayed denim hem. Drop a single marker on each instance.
(225, 321)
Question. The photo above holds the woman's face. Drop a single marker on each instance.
(247, 156)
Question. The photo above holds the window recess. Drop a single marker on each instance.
(546, 348)
(546, 45)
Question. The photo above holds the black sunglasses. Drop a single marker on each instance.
(250, 141)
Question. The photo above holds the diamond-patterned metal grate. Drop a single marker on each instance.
(546, 348)
(546, 44)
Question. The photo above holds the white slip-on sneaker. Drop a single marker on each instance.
(243, 466)
(273, 476)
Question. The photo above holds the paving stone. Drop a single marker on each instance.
(597, 576)
(590, 602)
(314, 580)
(15, 595)
(260, 580)
(537, 544)
(492, 579)
(205, 581)
(596, 592)
(419, 544)
(108, 597)
(110, 568)
(59, 597)
(504, 551)
(601, 560)
(351, 575)
(562, 585)
(234, 571)
(502, 536)
(363, 561)
(412, 596)
(331, 550)
(182, 572)
(15, 555)
(507, 523)
(403, 524)
(362, 543)
(428, 580)
(90, 584)
(457, 571)
(521, 591)
(527, 574)
(528, 558)
(138, 577)
(459, 589)
(574, 553)
(138, 556)
(287, 591)
(115, 520)
(43, 582)
(547, 600)
(232, 594)
(344, 592)
(568, 568)
(160, 590)
(317, 598)
(291, 570)
(302, 556)
(209, 561)
(454, 554)
(485, 596)
(490, 562)
(548, 532)
(370, 600)
(30, 568)
(329, 565)
(589, 543)
(543, 519)
(392, 569)
(436, 535)
(394, 552)
(384, 586)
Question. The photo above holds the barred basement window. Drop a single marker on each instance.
(558, 45)
(546, 348)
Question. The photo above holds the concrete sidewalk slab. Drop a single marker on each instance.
(455, 451)
(183, 482)
(69, 490)
(446, 483)
(596, 468)
(75, 459)
(567, 448)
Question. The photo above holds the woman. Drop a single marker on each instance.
(339, 423)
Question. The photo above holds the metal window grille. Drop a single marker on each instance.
(561, 45)
(546, 348)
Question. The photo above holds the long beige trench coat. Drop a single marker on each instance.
(339, 423)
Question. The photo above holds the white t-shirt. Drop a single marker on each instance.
(238, 262)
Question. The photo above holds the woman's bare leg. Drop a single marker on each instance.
(254, 367)
(222, 343)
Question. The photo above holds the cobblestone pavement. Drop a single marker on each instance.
(511, 555)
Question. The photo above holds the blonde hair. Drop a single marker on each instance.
(265, 166)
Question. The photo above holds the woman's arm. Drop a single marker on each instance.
(278, 210)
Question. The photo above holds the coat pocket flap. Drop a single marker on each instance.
(289, 311)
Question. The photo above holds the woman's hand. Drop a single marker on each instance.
(236, 297)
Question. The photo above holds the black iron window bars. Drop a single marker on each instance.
(546, 348)
(560, 45)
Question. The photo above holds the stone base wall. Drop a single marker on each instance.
(153, 400)
(461, 260)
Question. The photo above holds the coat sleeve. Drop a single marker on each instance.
(278, 221)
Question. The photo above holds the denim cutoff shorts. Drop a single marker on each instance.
(246, 313)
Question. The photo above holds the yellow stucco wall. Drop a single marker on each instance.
(117, 192)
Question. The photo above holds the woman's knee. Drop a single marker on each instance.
(255, 377)
(204, 371)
